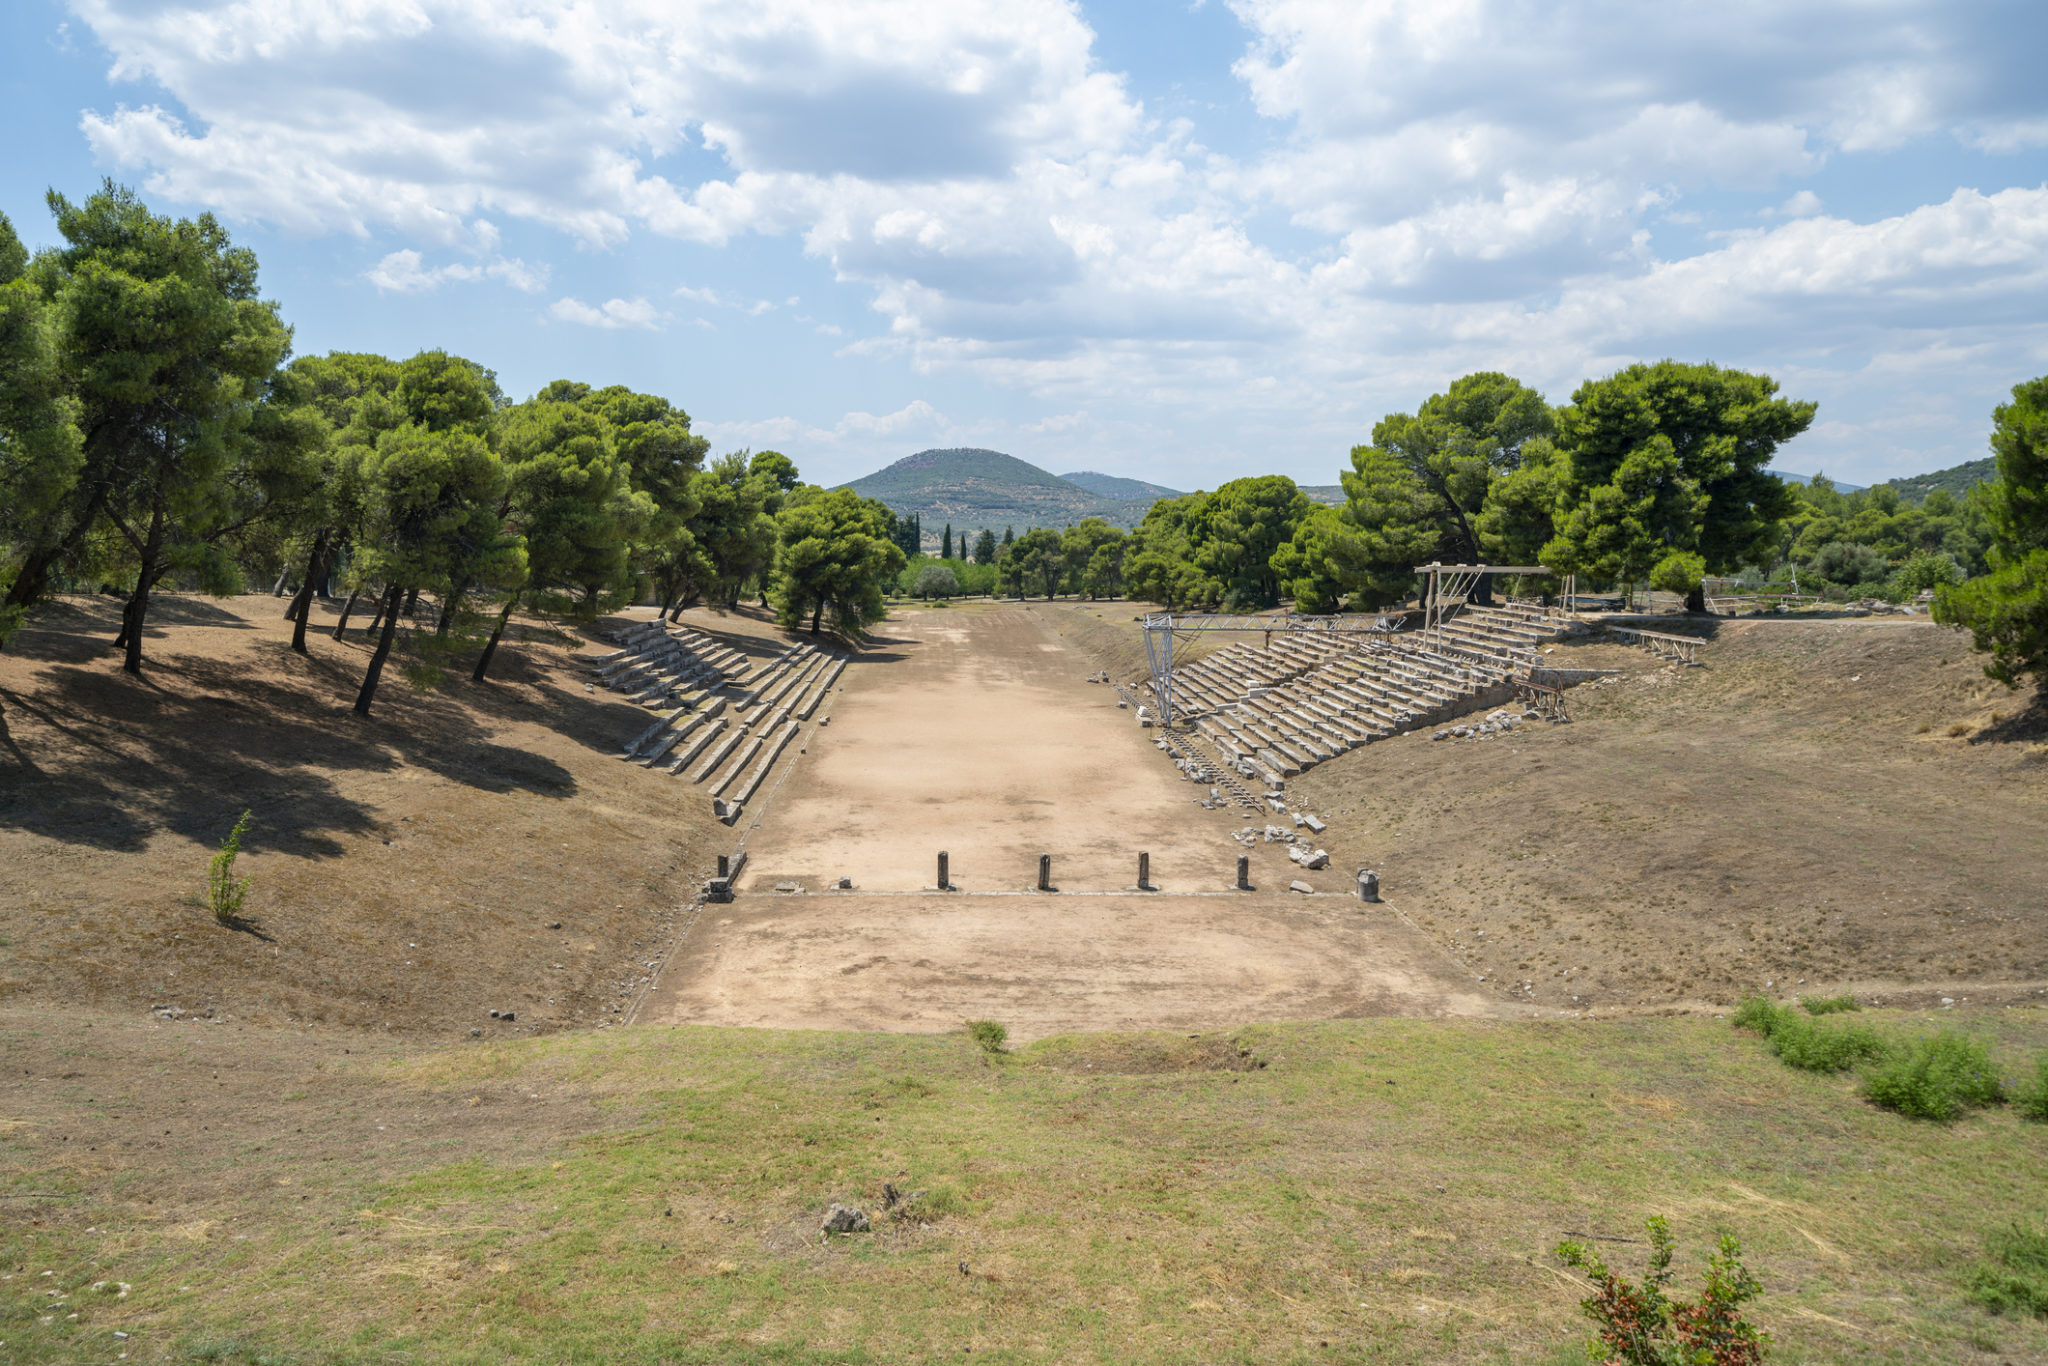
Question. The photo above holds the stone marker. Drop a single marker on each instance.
(1045, 872)
(1144, 872)
(1244, 873)
(1368, 885)
(944, 884)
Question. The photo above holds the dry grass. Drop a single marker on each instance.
(1380, 1190)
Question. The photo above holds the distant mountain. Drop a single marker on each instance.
(1123, 490)
(1840, 487)
(1956, 479)
(978, 490)
(1331, 495)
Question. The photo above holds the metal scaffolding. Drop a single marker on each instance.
(1447, 586)
(1165, 632)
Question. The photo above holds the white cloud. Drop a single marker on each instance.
(1463, 183)
(404, 272)
(614, 313)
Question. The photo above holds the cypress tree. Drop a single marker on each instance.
(946, 543)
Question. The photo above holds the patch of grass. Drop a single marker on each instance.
(2031, 1099)
(1938, 1077)
(2013, 1279)
(987, 1033)
(1829, 1005)
(1388, 1186)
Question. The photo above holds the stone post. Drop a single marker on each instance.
(1045, 872)
(1144, 872)
(944, 884)
(1244, 872)
(725, 865)
(1368, 885)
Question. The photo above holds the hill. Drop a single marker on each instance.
(1840, 487)
(1956, 479)
(1114, 486)
(979, 489)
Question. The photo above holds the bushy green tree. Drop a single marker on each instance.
(41, 448)
(169, 358)
(1034, 564)
(1248, 521)
(1093, 552)
(1390, 524)
(661, 458)
(833, 554)
(1667, 460)
(1453, 449)
(935, 581)
(2006, 611)
(1310, 566)
(431, 486)
(985, 548)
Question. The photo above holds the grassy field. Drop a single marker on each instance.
(1371, 1190)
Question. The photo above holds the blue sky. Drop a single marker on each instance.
(1181, 243)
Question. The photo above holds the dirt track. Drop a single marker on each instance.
(972, 730)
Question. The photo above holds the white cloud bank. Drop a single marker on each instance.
(1468, 183)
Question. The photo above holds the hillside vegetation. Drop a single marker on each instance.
(1956, 479)
(977, 490)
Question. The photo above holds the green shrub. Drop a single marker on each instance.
(2032, 1098)
(1935, 1078)
(990, 1035)
(224, 891)
(2014, 1279)
(1828, 1005)
(1798, 1042)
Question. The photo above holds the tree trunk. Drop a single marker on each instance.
(412, 602)
(346, 608)
(137, 610)
(483, 662)
(33, 579)
(302, 601)
(1482, 591)
(817, 612)
(1696, 599)
(448, 610)
(277, 589)
(390, 614)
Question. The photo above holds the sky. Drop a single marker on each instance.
(1177, 242)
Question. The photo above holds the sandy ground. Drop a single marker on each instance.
(973, 730)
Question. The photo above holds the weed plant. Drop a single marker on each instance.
(990, 1035)
(224, 891)
(2014, 1278)
(1828, 1005)
(1937, 1077)
(1641, 1325)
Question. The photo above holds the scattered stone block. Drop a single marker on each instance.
(1312, 823)
(1299, 886)
(845, 1219)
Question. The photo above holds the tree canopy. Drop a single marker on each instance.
(2006, 610)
